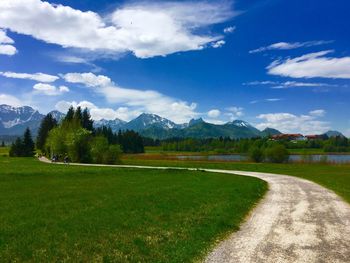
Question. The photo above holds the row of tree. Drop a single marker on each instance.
(228, 145)
(75, 137)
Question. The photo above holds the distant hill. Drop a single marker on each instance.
(334, 134)
(270, 132)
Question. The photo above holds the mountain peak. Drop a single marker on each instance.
(195, 121)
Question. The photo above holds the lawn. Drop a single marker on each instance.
(334, 177)
(56, 213)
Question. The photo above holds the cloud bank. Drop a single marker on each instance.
(145, 29)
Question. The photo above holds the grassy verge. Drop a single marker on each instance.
(334, 177)
(56, 213)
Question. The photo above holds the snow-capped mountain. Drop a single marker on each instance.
(14, 120)
(146, 120)
(116, 124)
(57, 115)
(240, 123)
(12, 116)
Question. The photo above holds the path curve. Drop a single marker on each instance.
(297, 221)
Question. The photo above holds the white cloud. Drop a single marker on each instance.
(41, 77)
(312, 65)
(10, 100)
(291, 123)
(229, 29)
(6, 47)
(287, 45)
(317, 113)
(289, 84)
(234, 112)
(146, 29)
(123, 113)
(273, 99)
(214, 113)
(139, 100)
(218, 44)
(50, 90)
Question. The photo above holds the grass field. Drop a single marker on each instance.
(56, 213)
(4, 151)
(334, 177)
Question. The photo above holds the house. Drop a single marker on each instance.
(289, 137)
(314, 137)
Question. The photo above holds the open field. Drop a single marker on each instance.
(51, 213)
(334, 177)
(4, 151)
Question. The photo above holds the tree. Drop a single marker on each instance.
(16, 148)
(256, 154)
(87, 122)
(70, 114)
(23, 148)
(47, 124)
(3, 144)
(28, 144)
(277, 153)
(78, 115)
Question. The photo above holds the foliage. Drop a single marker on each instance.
(256, 154)
(23, 147)
(47, 124)
(277, 154)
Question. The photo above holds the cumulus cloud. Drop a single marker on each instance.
(229, 29)
(41, 77)
(123, 113)
(50, 90)
(214, 113)
(312, 65)
(6, 44)
(234, 112)
(140, 100)
(287, 45)
(290, 123)
(10, 100)
(145, 29)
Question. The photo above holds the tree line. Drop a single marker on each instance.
(76, 138)
(228, 145)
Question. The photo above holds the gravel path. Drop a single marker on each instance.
(297, 221)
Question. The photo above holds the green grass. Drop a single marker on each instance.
(57, 213)
(4, 151)
(334, 177)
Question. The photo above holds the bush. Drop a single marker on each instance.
(256, 154)
(112, 156)
(277, 154)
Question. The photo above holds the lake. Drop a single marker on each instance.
(330, 158)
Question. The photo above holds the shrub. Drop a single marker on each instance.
(256, 154)
(277, 154)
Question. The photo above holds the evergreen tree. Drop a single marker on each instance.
(78, 115)
(87, 122)
(47, 124)
(2, 144)
(16, 149)
(28, 144)
(70, 114)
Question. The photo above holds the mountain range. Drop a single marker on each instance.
(14, 120)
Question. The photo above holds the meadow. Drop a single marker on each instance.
(332, 176)
(59, 213)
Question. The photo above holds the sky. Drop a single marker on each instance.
(273, 63)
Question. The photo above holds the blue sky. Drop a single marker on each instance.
(273, 63)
